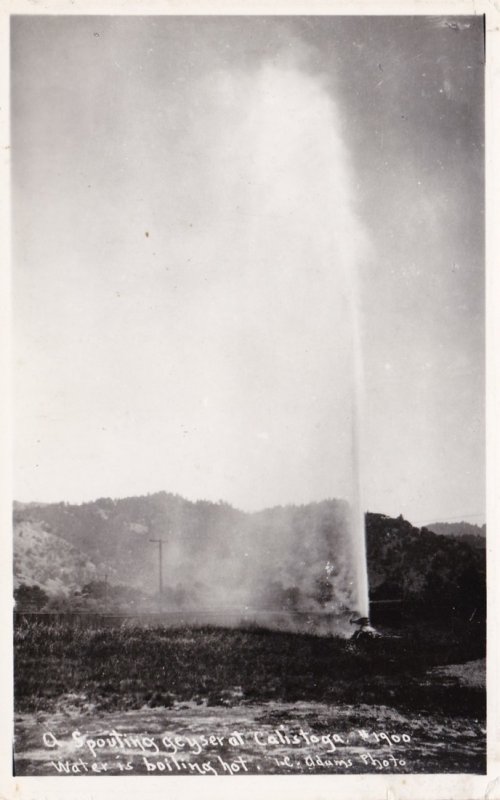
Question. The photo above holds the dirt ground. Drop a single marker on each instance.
(260, 738)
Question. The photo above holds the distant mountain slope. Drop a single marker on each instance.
(214, 555)
(419, 565)
(290, 557)
(48, 561)
(116, 533)
(475, 535)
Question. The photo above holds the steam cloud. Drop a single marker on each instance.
(276, 241)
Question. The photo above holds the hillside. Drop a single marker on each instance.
(475, 535)
(418, 565)
(46, 560)
(214, 555)
(294, 558)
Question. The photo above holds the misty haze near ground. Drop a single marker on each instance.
(282, 329)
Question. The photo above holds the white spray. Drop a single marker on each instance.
(279, 242)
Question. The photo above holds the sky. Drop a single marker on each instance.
(216, 222)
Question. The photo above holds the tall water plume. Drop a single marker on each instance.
(277, 243)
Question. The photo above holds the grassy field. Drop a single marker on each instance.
(131, 667)
(194, 682)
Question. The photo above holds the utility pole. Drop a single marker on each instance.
(160, 542)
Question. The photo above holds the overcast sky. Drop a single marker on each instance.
(195, 201)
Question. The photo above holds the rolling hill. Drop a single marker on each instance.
(291, 557)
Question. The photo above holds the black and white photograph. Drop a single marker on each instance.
(248, 349)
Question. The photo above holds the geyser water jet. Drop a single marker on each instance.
(358, 525)
(276, 242)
